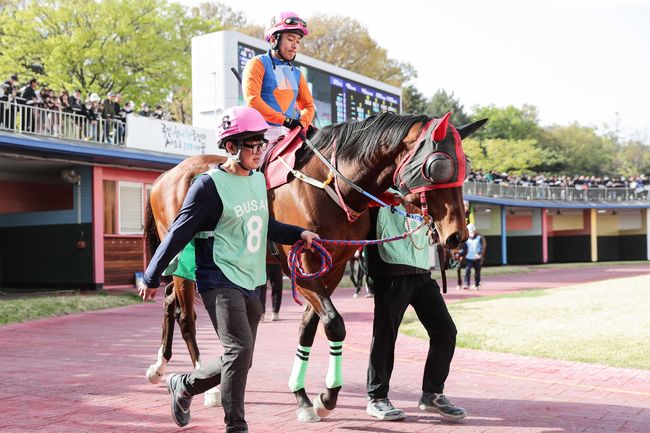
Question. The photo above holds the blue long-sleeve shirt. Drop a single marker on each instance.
(201, 211)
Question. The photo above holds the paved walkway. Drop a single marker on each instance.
(85, 373)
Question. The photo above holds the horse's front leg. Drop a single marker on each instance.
(155, 371)
(334, 328)
(320, 307)
(306, 334)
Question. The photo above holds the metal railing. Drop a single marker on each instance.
(28, 119)
(520, 192)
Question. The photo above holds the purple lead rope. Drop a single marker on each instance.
(295, 263)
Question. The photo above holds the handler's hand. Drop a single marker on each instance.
(308, 237)
(146, 292)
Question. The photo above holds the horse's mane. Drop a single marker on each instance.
(360, 141)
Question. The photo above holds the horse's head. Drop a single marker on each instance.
(432, 174)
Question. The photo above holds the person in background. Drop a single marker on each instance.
(144, 110)
(273, 85)
(158, 113)
(457, 262)
(8, 102)
(30, 99)
(273, 279)
(225, 213)
(474, 257)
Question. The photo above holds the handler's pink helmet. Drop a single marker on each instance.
(287, 22)
(240, 122)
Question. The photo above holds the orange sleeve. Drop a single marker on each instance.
(305, 103)
(252, 89)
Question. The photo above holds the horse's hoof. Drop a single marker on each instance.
(320, 408)
(212, 398)
(307, 414)
(153, 375)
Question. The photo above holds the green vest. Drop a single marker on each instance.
(401, 252)
(239, 247)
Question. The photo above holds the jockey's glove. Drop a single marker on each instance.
(291, 123)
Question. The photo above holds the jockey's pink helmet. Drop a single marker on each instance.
(240, 122)
(286, 22)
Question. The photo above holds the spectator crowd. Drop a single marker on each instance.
(41, 110)
(638, 183)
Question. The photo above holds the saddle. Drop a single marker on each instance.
(279, 159)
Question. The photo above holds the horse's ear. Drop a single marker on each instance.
(440, 132)
(467, 130)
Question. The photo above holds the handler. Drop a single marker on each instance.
(225, 214)
(402, 277)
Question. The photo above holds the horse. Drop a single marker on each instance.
(369, 154)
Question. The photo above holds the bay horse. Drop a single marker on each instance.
(366, 152)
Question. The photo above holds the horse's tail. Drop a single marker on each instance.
(151, 238)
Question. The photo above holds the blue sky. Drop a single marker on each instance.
(576, 60)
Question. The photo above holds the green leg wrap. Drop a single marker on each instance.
(299, 370)
(334, 376)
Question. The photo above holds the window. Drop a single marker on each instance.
(130, 205)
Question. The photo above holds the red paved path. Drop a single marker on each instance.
(85, 373)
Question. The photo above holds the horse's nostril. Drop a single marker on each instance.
(453, 241)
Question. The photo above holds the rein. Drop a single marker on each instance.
(295, 262)
(353, 185)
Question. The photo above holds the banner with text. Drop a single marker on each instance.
(169, 137)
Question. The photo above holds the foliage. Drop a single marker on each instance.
(140, 48)
(511, 156)
(413, 101)
(443, 102)
(221, 13)
(633, 159)
(582, 150)
(509, 123)
(345, 42)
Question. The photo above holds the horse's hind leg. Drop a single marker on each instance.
(185, 295)
(186, 317)
(307, 332)
(156, 371)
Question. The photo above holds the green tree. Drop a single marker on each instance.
(509, 123)
(633, 159)
(582, 150)
(140, 48)
(413, 101)
(345, 42)
(221, 13)
(442, 102)
(511, 156)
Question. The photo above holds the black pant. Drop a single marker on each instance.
(392, 296)
(274, 279)
(235, 317)
(476, 265)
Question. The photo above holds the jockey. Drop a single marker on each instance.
(225, 220)
(273, 85)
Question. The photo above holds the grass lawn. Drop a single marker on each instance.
(606, 322)
(37, 307)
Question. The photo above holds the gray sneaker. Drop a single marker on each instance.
(181, 400)
(441, 404)
(383, 409)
